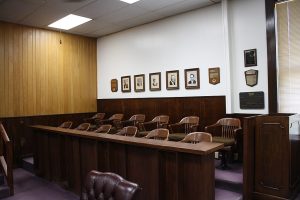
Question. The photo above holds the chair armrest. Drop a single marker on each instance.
(147, 126)
(238, 133)
(103, 121)
(164, 125)
(214, 130)
(194, 128)
(172, 127)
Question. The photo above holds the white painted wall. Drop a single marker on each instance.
(247, 30)
(190, 40)
(194, 39)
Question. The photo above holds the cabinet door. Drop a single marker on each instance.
(272, 156)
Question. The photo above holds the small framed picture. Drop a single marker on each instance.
(139, 83)
(192, 78)
(125, 82)
(250, 57)
(172, 80)
(155, 81)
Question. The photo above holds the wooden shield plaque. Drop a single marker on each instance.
(251, 77)
(214, 75)
(114, 85)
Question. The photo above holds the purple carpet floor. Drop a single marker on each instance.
(31, 187)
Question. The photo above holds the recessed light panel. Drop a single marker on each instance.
(69, 22)
(130, 1)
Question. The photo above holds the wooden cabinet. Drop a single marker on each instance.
(277, 155)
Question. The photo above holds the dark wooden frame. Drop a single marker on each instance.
(271, 52)
(177, 79)
(135, 82)
(246, 59)
(6, 155)
(129, 83)
(159, 81)
(197, 86)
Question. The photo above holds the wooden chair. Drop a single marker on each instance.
(197, 137)
(158, 134)
(132, 121)
(160, 121)
(97, 116)
(111, 120)
(67, 124)
(103, 128)
(225, 131)
(128, 131)
(83, 127)
(186, 125)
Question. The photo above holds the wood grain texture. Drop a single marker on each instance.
(271, 52)
(40, 76)
(163, 169)
(209, 109)
(21, 135)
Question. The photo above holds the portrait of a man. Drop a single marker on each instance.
(192, 78)
(172, 80)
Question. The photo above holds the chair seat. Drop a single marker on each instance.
(142, 133)
(225, 141)
(176, 136)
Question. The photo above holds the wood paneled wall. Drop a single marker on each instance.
(19, 131)
(45, 72)
(209, 109)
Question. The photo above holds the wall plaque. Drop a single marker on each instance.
(252, 100)
(251, 77)
(214, 75)
(114, 85)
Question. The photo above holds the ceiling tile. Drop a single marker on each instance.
(108, 30)
(15, 10)
(100, 8)
(156, 4)
(125, 13)
(92, 26)
(147, 18)
(184, 6)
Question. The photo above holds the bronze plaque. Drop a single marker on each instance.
(252, 100)
(251, 77)
(214, 75)
(114, 85)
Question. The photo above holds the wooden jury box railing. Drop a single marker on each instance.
(6, 158)
(163, 169)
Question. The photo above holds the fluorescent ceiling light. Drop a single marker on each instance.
(69, 22)
(130, 1)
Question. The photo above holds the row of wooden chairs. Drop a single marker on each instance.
(223, 131)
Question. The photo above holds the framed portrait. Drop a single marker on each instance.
(250, 57)
(125, 83)
(192, 78)
(139, 83)
(172, 80)
(155, 81)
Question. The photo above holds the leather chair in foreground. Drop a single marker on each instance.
(100, 186)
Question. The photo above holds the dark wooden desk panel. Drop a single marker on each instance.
(163, 169)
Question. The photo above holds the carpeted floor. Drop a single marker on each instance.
(31, 187)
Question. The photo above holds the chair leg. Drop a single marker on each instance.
(224, 158)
